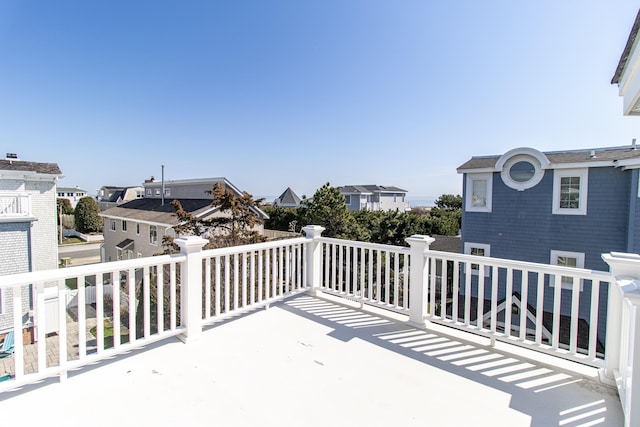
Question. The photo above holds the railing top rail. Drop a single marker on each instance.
(366, 245)
(580, 273)
(253, 247)
(21, 279)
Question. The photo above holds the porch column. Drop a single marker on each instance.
(622, 351)
(314, 257)
(418, 282)
(191, 287)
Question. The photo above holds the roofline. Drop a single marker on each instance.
(622, 63)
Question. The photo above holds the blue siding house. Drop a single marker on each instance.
(565, 208)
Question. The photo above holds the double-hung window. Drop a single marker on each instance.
(112, 225)
(567, 259)
(570, 191)
(478, 192)
(478, 249)
(124, 225)
(153, 235)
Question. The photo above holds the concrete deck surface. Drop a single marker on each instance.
(310, 361)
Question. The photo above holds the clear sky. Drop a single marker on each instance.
(297, 93)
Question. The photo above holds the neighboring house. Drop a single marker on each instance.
(71, 194)
(288, 199)
(135, 229)
(564, 208)
(28, 228)
(374, 198)
(110, 196)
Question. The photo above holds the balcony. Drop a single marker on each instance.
(318, 331)
(15, 206)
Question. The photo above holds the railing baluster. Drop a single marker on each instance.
(405, 282)
(593, 318)
(387, 275)
(235, 281)
(575, 301)
(456, 291)
(62, 328)
(18, 342)
(280, 272)
(160, 302)
(340, 269)
(444, 274)
(260, 274)
(146, 279)
(207, 288)
(431, 295)
(172, 297)
(557, 293)
(131, 277)
(267, 276)
(42, 329)
(227, 284)
(508, 301)
(467, 293)
(524, 303)
(494, 299)
(115, 296)
(480, 304)
(245, 295)
(100, 313)
(539, 308)
(217, 291)
(252, 276)
(379, 277)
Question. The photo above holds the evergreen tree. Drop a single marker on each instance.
(87, 215)
(328, 209)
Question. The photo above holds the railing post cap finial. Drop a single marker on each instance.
(623, 264)
(190, 244)
(420, 238)
(312, 231)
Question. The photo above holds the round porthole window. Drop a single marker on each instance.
(522, 168)
(522, 171)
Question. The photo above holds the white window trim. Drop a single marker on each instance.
(558, 174)
(468, 246)
(112, 225)
(488, 177)
(579, 256)
(156, 242)
(2, 295)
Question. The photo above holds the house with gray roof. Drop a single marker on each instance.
(563, 207)
(28, 228)
(135, 229)
(288, 199)
(110, 196)
(73, 195)
(374, 198)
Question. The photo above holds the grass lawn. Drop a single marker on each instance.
(71, 240)
(108, 334)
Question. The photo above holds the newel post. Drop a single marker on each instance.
(314, 257)
(622, 350)
(191, 286)
(418, 282)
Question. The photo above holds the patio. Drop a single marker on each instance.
(322, 361)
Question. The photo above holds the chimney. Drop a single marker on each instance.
(592, 155)
(633, 144)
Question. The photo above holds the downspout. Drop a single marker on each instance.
(162, 203)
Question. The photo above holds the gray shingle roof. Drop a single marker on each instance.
(19, 165)
(288, 198)
(152, 210)
(559, 157)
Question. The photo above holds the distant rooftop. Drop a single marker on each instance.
(35, 167)
(364, 189)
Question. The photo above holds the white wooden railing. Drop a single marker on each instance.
(15, 205)
(557, 310)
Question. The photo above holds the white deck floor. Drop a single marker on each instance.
(313, 362)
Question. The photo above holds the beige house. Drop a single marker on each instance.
(135, 229)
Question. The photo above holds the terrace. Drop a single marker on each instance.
(319, 331)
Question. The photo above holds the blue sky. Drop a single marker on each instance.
(272, 94)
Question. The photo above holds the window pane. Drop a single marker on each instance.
(570, 192)
(479, 193)
(522, 171)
